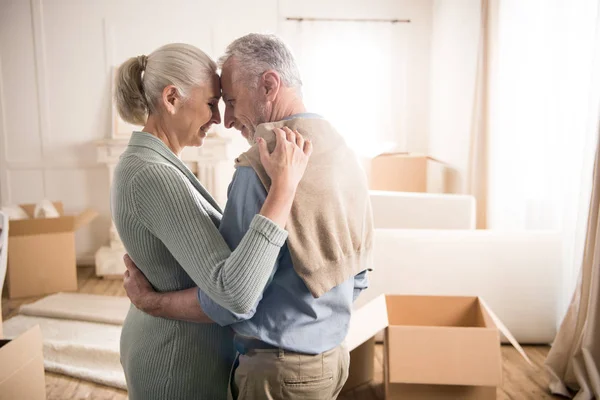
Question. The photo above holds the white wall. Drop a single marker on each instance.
(55, 61)
(454, 50)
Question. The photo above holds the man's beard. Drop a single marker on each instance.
(262, 116)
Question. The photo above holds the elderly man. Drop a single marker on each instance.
(291, 344)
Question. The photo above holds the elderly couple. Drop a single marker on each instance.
(252, 302)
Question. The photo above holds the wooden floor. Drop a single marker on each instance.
(521, 382)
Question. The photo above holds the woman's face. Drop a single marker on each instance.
(195, 115)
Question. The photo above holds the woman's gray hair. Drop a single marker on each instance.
(140, 80)
(257, 53)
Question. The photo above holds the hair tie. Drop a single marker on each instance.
(143, 60)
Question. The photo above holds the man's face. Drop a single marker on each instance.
(245, 107)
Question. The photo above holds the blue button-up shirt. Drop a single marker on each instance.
(287, 315)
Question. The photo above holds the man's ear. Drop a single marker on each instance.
(170, 98)
(271, 82)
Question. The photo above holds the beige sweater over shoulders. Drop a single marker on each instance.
(331, 224)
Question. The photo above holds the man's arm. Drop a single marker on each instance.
(182, 305)
(361, 282)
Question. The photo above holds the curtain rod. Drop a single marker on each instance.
(392, 21)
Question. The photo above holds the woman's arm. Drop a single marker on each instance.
(169, 206)
(285, 166)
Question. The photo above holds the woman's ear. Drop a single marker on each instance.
(271, 82)
(170, 98)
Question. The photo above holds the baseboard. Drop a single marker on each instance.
(88, 260)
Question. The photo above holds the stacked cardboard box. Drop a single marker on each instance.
(407, 172)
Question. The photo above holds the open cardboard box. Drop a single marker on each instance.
(21, 359)
(41, 253)
(408, 172)
(436, 347)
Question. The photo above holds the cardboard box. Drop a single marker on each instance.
(405, 172)
(436, 347)
(22, 367)
(21, 359)
(41, 253)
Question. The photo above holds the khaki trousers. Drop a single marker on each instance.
(276, 374)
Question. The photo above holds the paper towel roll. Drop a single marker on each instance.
(45, 209)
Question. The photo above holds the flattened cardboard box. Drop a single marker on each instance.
(436, 347)
(22, 367)
(362, 365)
(366, 321)
(41, 253)
(406, 172)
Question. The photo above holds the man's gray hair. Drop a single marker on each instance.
(257, 53)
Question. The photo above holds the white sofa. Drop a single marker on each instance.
(409, 210)
(403, 210)
(516, 273)
(426, 243)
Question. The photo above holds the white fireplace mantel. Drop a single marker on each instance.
(211, 163)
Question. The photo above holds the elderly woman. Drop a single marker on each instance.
(169, 224)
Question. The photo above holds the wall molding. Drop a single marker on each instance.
(51, 165)
(41, 65)
(86, 260)
(109, 45)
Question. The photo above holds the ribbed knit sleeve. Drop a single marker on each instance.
(170, 207)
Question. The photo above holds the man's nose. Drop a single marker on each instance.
(229, 118)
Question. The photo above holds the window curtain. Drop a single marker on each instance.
(543, 107)
(354, 74)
